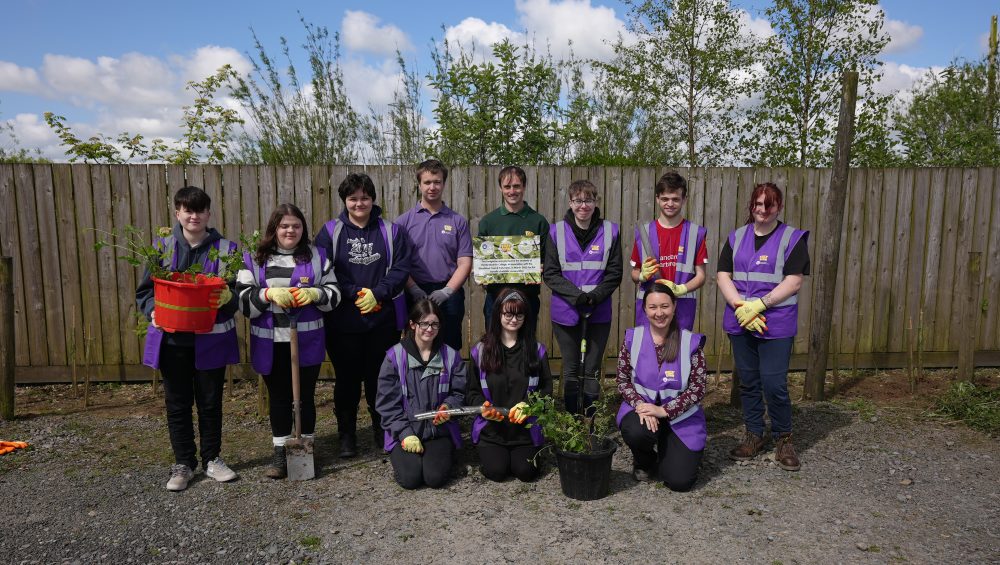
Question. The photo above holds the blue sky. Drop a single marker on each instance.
(123, 66)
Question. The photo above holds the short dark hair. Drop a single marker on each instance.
(672, 181)
(354, 182)
(192, 198)
(512, 170)
(432, 166)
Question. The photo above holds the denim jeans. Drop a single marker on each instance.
(184, 386)
(763, 369)
(453, 312)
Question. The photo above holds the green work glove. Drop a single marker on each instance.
(747, 311)
(280, 296)
(366, 300)
(220, 297)
(516, 414)
(306, 295)
(412, 444)
(757, 325)
(648, 268)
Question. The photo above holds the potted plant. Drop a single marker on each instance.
(582, 444)
(182, 297)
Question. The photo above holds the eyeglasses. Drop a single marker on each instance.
(512, 316)
(429, 325)
(583, 202)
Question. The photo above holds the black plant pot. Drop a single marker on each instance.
(587, 476)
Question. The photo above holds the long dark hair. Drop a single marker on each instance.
(673, 343)
(772, 197)
(422, 308)
(267, 247)
(510, 301)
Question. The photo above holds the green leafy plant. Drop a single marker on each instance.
(977, 406)
(568, 432)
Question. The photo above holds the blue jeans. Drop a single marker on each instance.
(763, 369)
(453, 312)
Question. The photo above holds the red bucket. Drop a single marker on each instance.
(182, 303)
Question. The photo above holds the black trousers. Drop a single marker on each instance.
(279, 391)
(431, 468)
(357, 359)
(497, 462)
(183, 387)
(676, 464)
(569, 338)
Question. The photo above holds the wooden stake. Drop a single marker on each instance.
(7, 388)
(87, 337)
(967, 344)
(910, 373)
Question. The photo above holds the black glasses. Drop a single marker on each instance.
(429, 325)
(512, 316)
(583, 202)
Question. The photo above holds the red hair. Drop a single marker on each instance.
(772, 197)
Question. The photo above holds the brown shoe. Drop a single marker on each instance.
(752, 445)
(784, 453)
(278, 469)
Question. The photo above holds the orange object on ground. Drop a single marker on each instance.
(9, 446)
(183, 303)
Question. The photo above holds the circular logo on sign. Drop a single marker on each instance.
(486, 247)
(525, 246)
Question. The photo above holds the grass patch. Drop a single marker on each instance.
(978, 407)
(310, 542)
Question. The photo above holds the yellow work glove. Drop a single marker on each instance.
(648, 268)
(491, 413)
(412, 444)
(747, 311)
(516, 414)
(677, 289)
(306, 295)
(220, 297)
(280, 296)
(366, 300)
(757, 325)
(441, 417)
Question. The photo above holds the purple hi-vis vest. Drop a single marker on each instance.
(214, 349)
(479, 423)
(308, 323)
(334, 227)
(449, 358)
(583, 268)
(660, 383)
(692, 238)
(757, 272)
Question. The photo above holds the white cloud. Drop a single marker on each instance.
(897, 77)
(14, 78)
(902, 35)
(361, 32)
(592, 29)
(134, 80)
(367, 85)
(206, 60)
(759, 27)
(32, 131)
(476, 32)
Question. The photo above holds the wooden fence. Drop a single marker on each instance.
(905, 241)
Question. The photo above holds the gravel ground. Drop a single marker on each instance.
(876, 486)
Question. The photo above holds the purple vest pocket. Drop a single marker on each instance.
(151, 354)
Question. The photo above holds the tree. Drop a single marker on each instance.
(298, 124)
(207, 133)
(499, 112)
(947, 123)
(814, 42)
(687, 71)
(398, 137)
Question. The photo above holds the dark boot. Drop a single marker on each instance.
(348, 444)
(278, 469)
(784, 453)
(378, 439)
(751, 446)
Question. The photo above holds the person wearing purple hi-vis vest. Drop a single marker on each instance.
(420, 374)
(583, 267)
(371, 259)
(760, 269)
(193, 365)
(662, 378)
(507, 365)
(670, 250)
(287, 281)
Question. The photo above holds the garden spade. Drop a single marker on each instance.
(298, 450)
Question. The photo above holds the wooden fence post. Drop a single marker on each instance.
(970, 313)
(6, 338)
(831, 222)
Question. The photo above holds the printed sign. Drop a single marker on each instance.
(502, 259)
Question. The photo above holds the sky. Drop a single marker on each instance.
(112, 66)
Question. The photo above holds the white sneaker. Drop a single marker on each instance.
(218, 470)
(180, 476)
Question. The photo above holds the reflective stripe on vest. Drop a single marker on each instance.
(223, 327)
(444, 383)
(779, 262)
(684, 351)
(268, 333)
(583, 265)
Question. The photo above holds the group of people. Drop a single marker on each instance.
(385, 300)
